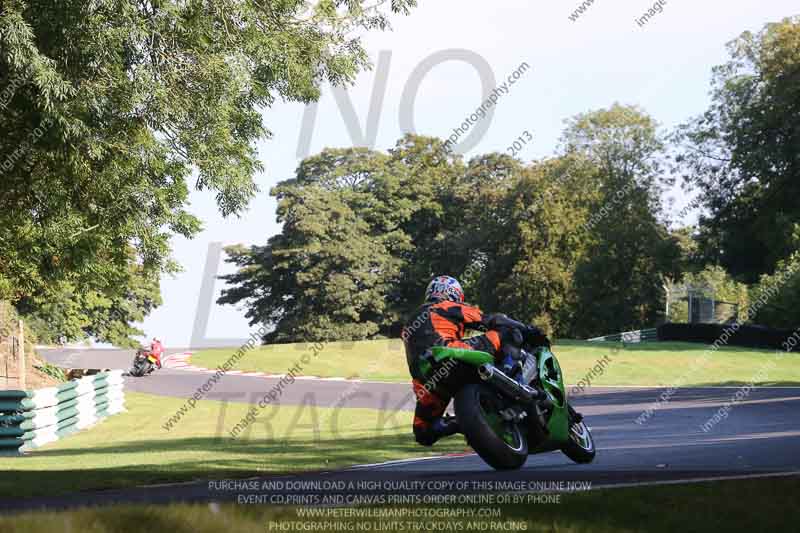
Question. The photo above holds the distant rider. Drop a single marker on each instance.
(156, 350)
(442, 321)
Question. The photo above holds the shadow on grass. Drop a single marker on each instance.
(236, 459)
(130, 519)
(654, 346)
(770, 506)
(698, 507)
(759, 384)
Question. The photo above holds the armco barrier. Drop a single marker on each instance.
(640, 335)
(29, 419)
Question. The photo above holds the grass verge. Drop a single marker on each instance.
(134, 449)
(731, 506)
(649, 364)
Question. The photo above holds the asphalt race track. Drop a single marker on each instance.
(760, 436)
(237, 388)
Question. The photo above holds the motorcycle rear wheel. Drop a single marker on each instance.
(503, 445)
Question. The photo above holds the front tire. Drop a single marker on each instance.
(580, 446)
(501, 444)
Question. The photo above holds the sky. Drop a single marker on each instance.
(602, 57)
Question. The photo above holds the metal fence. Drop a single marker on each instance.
(699, 305)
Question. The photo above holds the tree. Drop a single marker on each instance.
(780, 293)
(76, 309)
(357, 228)
(428, 176)
(532, 242)
(742, 153)
(323, 278)
(619, 285)
(112, 108)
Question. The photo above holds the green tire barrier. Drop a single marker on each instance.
(640, 335)
(30, 419)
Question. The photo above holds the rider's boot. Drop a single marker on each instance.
(439, 428)
(446, 426)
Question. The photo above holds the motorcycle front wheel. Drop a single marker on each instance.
(580, 446)
(502, 444)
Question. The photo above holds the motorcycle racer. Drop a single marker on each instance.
(156, 350)
(442, 321)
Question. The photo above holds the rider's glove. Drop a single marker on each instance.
(496, 321)
(536, 337)
(507, 364)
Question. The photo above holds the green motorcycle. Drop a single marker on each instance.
(506, 417)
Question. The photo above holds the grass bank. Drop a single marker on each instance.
(134, 449)
(649, 364)
(731, 506)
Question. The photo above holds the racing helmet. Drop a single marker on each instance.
(444, 288)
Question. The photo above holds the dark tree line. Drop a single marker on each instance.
(364, 231)
(578, 242)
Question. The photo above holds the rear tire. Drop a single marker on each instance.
(471, 405)
(580, 446)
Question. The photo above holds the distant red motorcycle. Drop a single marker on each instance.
(144, 363)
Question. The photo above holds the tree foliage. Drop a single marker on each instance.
(630, 250)
(112, 111)
(781, 294)
(364, 232)
(345, 246)
(743, 153)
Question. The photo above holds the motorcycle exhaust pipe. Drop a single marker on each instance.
(522, 393)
